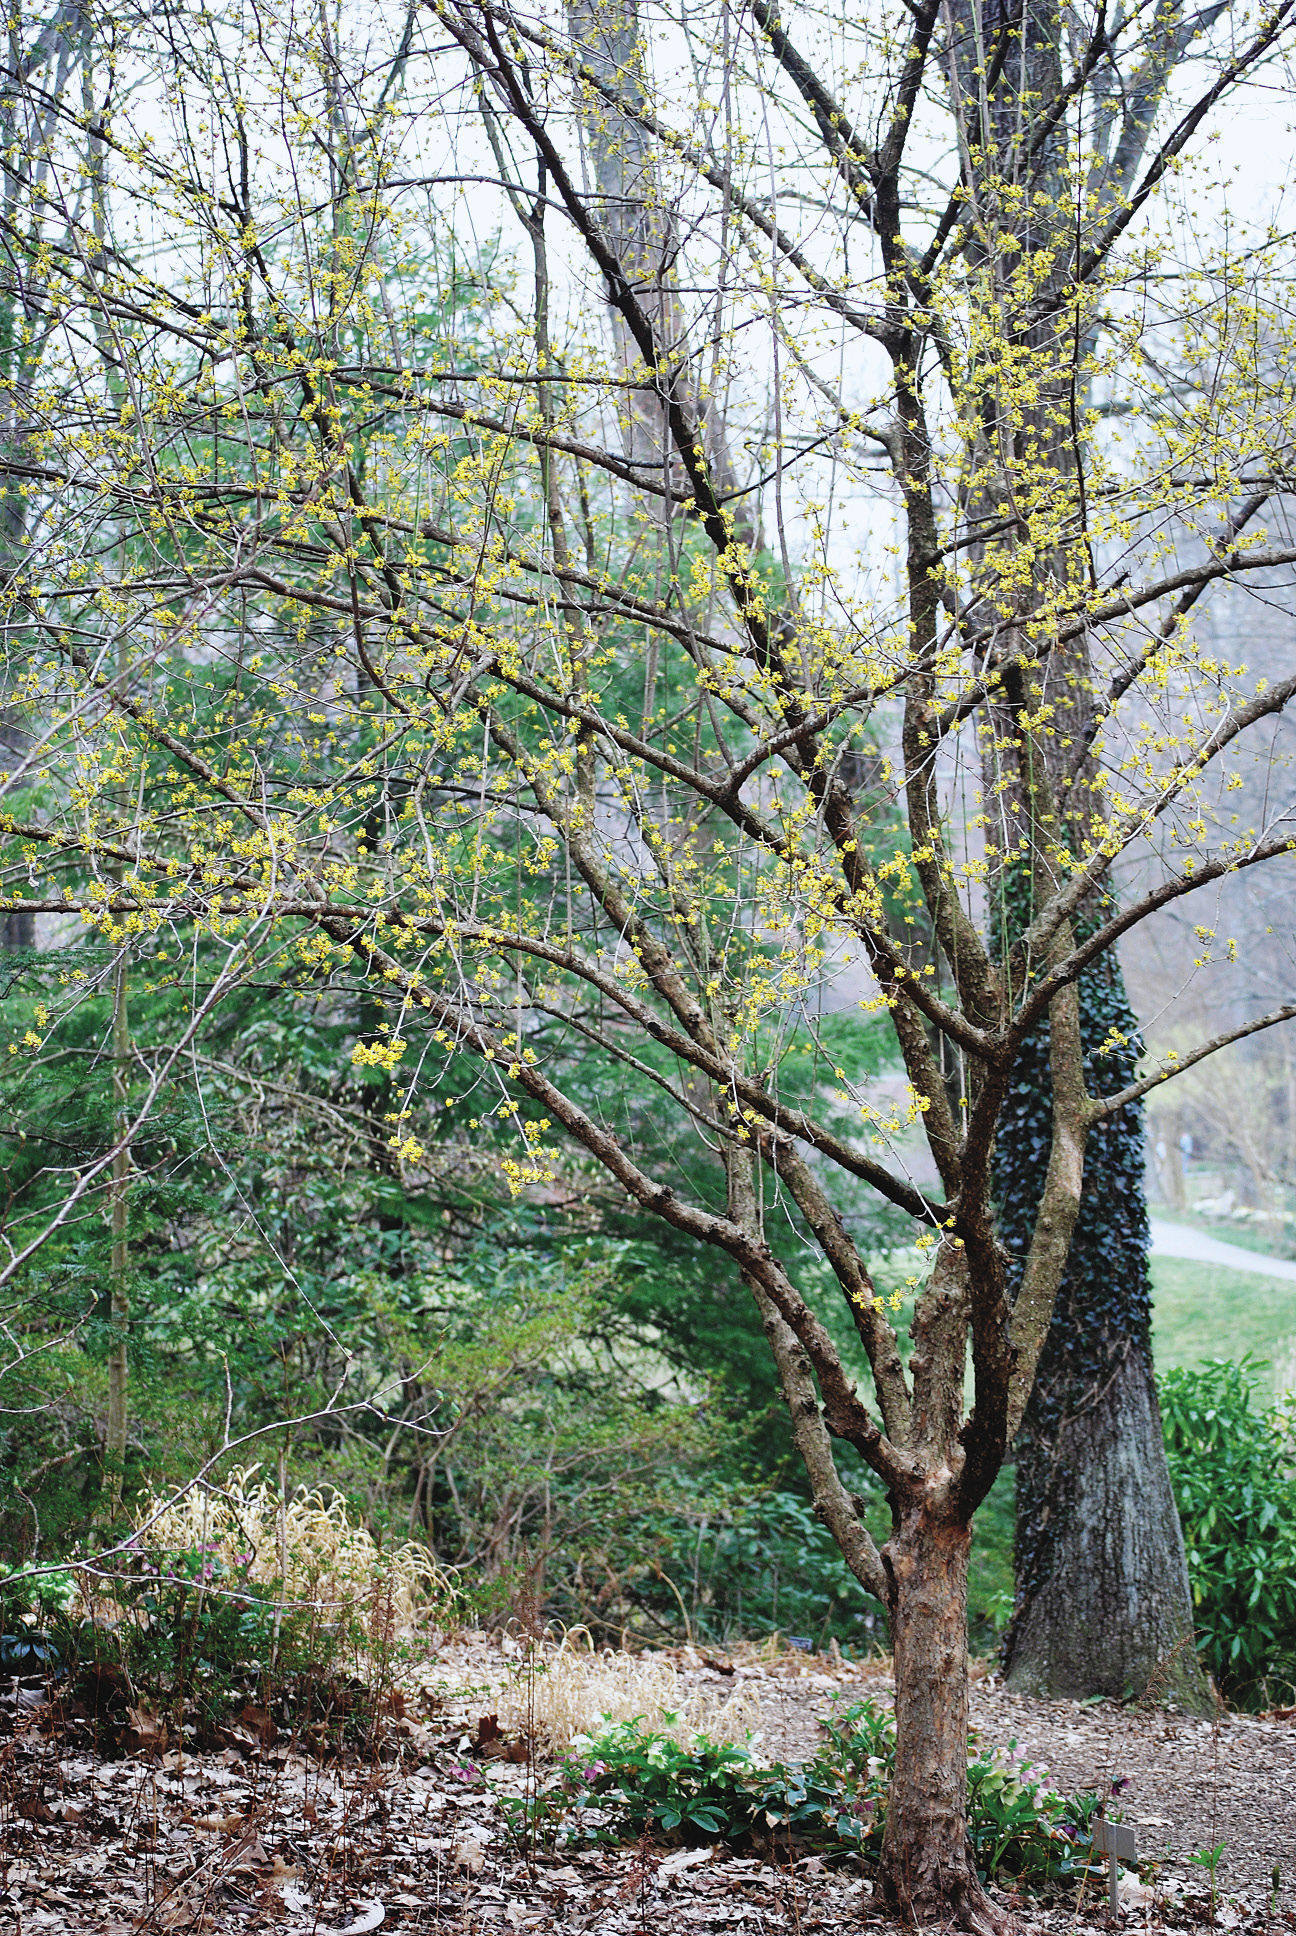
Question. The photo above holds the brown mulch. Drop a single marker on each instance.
(258, 1836)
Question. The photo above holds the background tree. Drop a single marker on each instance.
(44, 54)
(1102, 1599)
(383, 709)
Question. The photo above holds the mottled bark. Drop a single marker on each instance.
(928, 1874)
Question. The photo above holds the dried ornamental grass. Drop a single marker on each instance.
(561, 1692)
(304, 1547)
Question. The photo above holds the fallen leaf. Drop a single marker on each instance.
(371, 1916)
(145, 1732)
(259, 1722)
(683, 1859)
(469, 1854)
(248, 1854)
(488, 1737)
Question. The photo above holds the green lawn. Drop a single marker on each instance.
(1200, 1311)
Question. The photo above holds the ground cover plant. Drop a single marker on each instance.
(629, 1779)
(234, 1601)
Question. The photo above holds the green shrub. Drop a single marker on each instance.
(195, 1635)
(759, 1565)
(1234, 1475)
(629, 1780)
(639, 1780)
(30, 1611)
(739, 1561)
(1020, 1828)
(183, 1633)
(185, 1638)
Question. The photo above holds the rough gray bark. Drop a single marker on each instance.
(1092, 1444)
(630, 205)
(1081, 1416)
(1114, 1614)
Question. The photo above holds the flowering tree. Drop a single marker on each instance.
(374, 616)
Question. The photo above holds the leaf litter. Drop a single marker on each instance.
(259, 1835)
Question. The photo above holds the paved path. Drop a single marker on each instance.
(1182, 1240)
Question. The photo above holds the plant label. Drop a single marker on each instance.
(1116, 1842)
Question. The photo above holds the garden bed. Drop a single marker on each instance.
(258, 1834)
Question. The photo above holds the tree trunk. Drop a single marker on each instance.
(1105, 1608)
(1102, 1605)
(119, 1291)
(928, 1874)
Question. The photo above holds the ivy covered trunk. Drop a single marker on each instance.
(1102, 1600)
(928, 1873)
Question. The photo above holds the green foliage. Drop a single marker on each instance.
(629, 1780)
(588, 1415)
(1020, 1828)
(754, 1563)
(183, 1634)
(193, 1633)
(730, 1558)
(990, 1571)
(636, 1780)
(30, 1610)
(1234, 1474)
(838, 1798)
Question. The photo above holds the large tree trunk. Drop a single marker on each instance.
(928, 1874)
(1104, 1606)
(1094, 1399)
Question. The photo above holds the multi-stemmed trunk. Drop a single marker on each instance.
(928, 1871)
